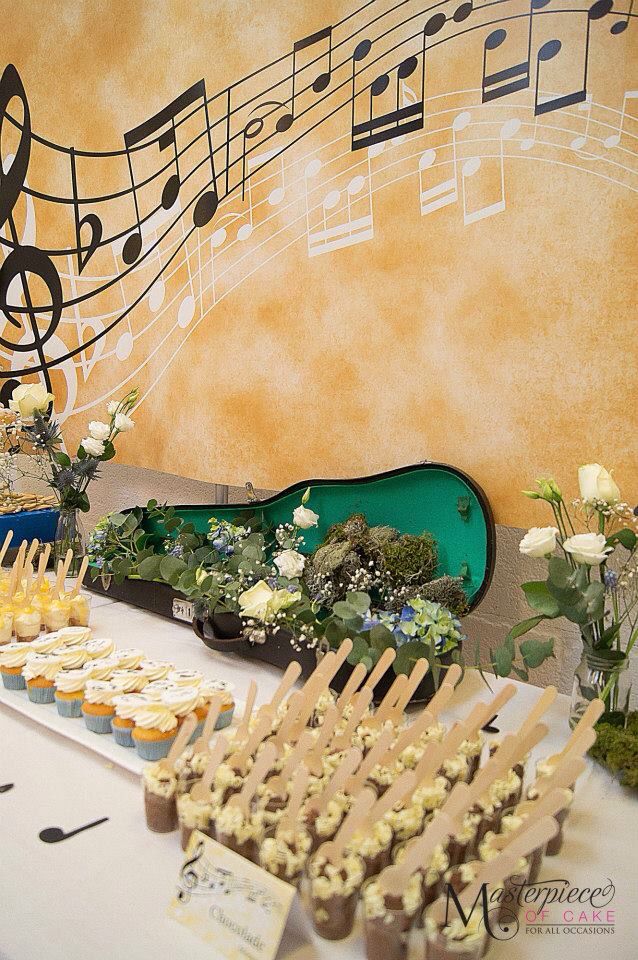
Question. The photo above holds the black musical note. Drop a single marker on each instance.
(5, 787)
(88, 220)
(401, 120)
(56, 834)
(621, 25)
(207, 203)
(500, 83)
(22, 260)
(321, 81)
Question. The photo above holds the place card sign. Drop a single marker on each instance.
(183, 609)
(230, 902)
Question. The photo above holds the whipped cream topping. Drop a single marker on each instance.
(155, 669)
(181, 700)
(14, 655)
(157, 688)
(130, 658)
(126, 703)
(48, 643)
(72, 657)
(100, 691)
(100, 647)
(74, 635)
(45, 665)
(153, 715)
(26, 622)
(158, 780)
(129, 681)
(102, 667)
(185, 678)
(71, 681)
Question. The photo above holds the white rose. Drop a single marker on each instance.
(290, 563)
(112, 407)
(596, 483)
(95, 448)
(30, 398)
(589, 548)
(304, 518)
(99, 430)
(539, 541)
(123, 423)
(255, 602)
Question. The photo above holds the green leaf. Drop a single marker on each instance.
(408, 654)
(359, 650)
(149, 569)
(626, 537)
(171, 568)
(559, 571)
(535, 651)
(367, 662)
(359, 601)
(521, 673)
(335, 633)
(81, 453)
(540, 599)
(381, 638)
(525, 626)
(344, 610)
(62, 459)
(501, 661)
(109, 451)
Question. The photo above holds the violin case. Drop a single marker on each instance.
(425, 496)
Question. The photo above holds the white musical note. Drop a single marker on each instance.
(579, 143)
(614, 139)
(447, 191)
(473, 165)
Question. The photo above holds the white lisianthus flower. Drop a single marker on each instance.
(589, 548)
(304, 518)
(596, 483)
(123, 423)
(290, 563)
(539, 541)
(111, 407)
(30, 398)
(254, 602)
(282, 599)
(95, 448)
(99, 430)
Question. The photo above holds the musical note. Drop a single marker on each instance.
(615, 138)
(207, 202)
(621, 25)
(578, 143)
(356, 227)
(400, 120)
(516, 76)
(91, 220)
(321, 81)
(445, 192)
(473, 165)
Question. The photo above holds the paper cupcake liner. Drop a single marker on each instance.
(41, 694)
(225, 718)
(197, 732)
(153, 749)
(98, 724)
(123, 736)
(14, 681)
(69, 708)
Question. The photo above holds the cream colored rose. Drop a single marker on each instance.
(94, 448)
(539, 542)
(589, 548)
(98, 430)
(290, 563)
(305, 518)
(254, 602)
(123, 423)
(30, 398)
(282, 599)
(596, 483)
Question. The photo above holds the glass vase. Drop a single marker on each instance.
(603, 674)
(69, 535)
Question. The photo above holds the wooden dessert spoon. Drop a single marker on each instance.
(202, 744)
(178, 746)
(201, 792)
(296, 797)
(332, 850)
(264, 762)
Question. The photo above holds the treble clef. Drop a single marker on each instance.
(23, 259)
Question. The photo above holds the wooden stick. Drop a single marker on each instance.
(403, 786)
(314, 760)
(385, 710)
(278, 785)
(565, 774)
(184, 734)
(287, 682)
(418, 853)
(541, 706)
(531, 836)
(295, 702)
(67, 563)
(313, 690)
(591, 715)
(547, 806)
(80, 578)
(201, 791)
(453, 675)
(6, 545)
(492, 871)
(355, 680)
(290, 816)
(458, 802)
(337, 782)
(371, 759)
(333, 849)
(427, 767)
(384, 662)
(202, 744)
(260, 768)
(408, 736)
(360, 705)
(260, 731)
(59, 579)
(419, 670)
(16, 571)
(440, 700)
(242, 729)
(31, 551)
(42, 566)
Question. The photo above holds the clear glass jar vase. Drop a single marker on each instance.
(69, 535)
(603, 674)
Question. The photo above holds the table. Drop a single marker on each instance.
(105, 892)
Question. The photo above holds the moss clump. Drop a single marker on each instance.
(617, 749)
(410, 559)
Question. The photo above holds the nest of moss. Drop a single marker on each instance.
(617, 749)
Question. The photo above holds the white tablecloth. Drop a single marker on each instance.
(104, 892)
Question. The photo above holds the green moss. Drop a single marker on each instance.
(617, 749)
(410, 559)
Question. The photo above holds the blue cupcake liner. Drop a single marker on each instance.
(69, 708)
(97, 724)
(41, 694)
(225, 718)
(154, 749)
(123, 736)
(197, 732)
(14, 681)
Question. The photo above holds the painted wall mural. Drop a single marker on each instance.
(327, 240)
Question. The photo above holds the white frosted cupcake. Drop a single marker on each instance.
(69, 691)
(155, 729)
(97, 708)
(155, 669)
(13, 657)
(100, 647)
(102, 668)
(74, 635)
(39, 672)
(123, 722)
(129, 681)
(185, 678)
(130, 658)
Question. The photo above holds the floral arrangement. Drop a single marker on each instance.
(592, 581)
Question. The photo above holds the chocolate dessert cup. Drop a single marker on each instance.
(161, 812)
(333, 918)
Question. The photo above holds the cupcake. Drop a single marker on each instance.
(157, 688)
(181, 701)
(159, 798)
(74, 635)
(389, 917)
(39, 672)
(285, 854)
(69, 692)
(155, 669)
(26, 624)
(185, 678)
(100, 647)
(129, 681)
(56, 614)
(122, 723)
(154, 731)
(98, 709)
(207, 690)
(102, 668)
(130, 658)
(13, 657)
(334, 891)
(72, 657)
(80, 610)
(6, 626)
(49, 643)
